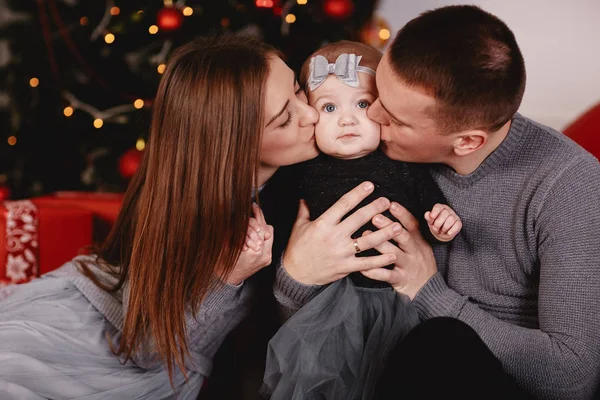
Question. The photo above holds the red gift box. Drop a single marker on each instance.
(36, 238)
(104, 207)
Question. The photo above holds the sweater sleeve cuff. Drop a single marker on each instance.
(223, 295)
(436, 299)
(291, 293)
(222, 301)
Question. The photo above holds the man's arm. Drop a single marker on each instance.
(561, 359)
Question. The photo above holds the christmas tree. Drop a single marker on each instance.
(78, 77)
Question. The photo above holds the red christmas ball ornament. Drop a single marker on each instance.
(4, 193)
(129, 162)
(338, 9)
(169, 19)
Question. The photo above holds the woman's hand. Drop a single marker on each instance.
(322, 251)
(257, 251)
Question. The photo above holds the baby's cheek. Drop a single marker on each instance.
(321, 135)
(321, 127)
(374, 128)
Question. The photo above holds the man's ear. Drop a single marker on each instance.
(469, 141)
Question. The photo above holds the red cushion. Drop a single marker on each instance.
(585, 130)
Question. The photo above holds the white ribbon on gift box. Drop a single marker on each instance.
(21, 240)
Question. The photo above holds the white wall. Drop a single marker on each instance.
(560, 41)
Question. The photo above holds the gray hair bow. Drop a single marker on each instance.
(346, 69)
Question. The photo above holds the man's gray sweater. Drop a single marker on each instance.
(524, 272)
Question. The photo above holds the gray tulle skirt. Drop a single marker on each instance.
(335, 347)
(53, 345)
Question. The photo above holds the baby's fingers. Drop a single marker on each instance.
(254, 235)
(254, 225)
(252, 244)
(454, 229)
(440, 220)
(435, 211)
(449, 223)
(428, 218)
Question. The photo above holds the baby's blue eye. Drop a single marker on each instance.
(363, 104)
(329, 108)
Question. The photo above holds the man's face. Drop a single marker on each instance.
(407, 131)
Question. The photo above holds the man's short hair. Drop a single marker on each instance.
(468, 60)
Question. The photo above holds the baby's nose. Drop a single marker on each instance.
(348, 120)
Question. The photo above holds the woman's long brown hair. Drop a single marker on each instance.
(185, 213)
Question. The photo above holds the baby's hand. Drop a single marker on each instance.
(257, 234)
(256, 251)
(443, 222)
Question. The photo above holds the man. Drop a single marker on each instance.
(524, 273)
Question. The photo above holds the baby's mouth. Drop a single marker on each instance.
(348, 136)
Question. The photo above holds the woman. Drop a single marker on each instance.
(144, 316)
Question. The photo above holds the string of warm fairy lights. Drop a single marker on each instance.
(113, 114)
(118, 114)
(111, 10)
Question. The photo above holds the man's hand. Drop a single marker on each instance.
(322, 251)
(415, 263)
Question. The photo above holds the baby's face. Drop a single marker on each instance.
(344, 130)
